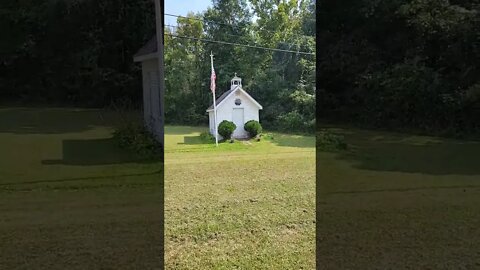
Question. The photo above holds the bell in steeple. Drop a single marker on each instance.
(236, 81)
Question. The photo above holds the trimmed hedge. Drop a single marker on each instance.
(253, 128)
(226, 128)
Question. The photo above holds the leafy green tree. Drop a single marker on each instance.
(402, 64)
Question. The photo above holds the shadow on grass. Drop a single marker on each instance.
(279, 140)
(380, 151)
(183, 130)
(109, 177)
(293, 141)
(95, 152)
(55, 120)
(193, 140)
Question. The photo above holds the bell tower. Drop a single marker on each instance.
(236, 81)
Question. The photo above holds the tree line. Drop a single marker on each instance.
(399, 64)
(409, 65)
(283, 82)
(79, 53)
(72, 53)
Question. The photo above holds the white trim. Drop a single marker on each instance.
(243, 91)
(144, 57)
(251, 98)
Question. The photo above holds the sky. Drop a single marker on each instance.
(182, 7)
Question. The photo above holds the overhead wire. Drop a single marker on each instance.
(238, 36)
(238, 44)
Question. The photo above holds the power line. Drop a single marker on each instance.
(226, 24)
(237, 36)
(237, 44)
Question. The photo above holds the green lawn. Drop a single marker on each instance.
(396, 201)
(241, 205)
(70, 198)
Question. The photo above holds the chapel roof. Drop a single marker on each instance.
(222, 97)
(228, 93)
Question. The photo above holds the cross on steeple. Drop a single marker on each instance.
(236, 81)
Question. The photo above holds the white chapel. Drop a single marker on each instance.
(237, 106)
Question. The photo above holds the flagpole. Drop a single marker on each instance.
(214, 107)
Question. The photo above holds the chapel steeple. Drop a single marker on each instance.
(236, 81)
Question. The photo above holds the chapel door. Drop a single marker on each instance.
(238, 119)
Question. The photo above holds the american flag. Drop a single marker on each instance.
(212, 80)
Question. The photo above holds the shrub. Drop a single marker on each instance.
(207, 137)
(137, 138)
(124, 135)
(291, 121)
(226, 128)
(253, 128)
(328, 141)
(294, 121)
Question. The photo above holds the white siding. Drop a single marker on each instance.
(225, 112)
(146, 69)
(151, 97)
(211, 124)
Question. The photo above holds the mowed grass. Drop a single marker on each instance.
(70, 198)
(397, 201)
(241, 205)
